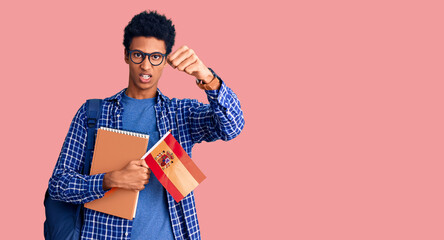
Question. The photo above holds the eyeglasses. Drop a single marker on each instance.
(155, 58)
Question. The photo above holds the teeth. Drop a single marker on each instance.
(146, 76)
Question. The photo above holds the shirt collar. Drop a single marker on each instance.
(118, 97)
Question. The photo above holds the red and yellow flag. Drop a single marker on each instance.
(173, 167)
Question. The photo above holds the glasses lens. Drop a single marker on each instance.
(156, 59)
(136, 56)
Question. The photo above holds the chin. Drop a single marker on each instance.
(145, 86)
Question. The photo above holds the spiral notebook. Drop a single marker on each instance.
(113, 150)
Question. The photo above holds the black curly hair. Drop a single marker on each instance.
(150, 24)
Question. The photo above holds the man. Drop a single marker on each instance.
(148, 40)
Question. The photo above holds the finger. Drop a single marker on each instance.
(143, 163)
(190, 69)
(182, 57)
(144, 177)
(134, 162)
(187, 62)
(144, 181)
(176, 53)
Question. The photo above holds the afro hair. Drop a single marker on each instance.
(150, 24)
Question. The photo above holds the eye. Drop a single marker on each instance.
(156, 56)
(137, 54)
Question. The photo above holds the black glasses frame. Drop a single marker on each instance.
(144, 54)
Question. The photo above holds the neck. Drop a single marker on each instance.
(133, 92)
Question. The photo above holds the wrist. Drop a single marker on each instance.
(211, 82)
(108, 181)
(210, 77)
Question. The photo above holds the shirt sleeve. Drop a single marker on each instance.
(67, 183)
(222, 118)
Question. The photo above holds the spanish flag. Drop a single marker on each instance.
(173, 167)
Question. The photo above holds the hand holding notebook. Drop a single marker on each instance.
(114, 153)
(133, 176)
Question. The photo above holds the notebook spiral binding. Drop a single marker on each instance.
(141, 135)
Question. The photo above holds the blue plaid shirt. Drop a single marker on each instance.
(190, 121)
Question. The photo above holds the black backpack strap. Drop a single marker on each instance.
(94, 110)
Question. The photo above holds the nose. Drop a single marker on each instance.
(145, 65)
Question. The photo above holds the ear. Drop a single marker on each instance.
(126, 56)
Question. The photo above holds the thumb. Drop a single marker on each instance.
(143, 163)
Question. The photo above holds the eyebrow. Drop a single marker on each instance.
(147, 52)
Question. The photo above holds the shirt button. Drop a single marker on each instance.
(126, 234)
(118, 115)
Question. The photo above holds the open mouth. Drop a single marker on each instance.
(145, 77)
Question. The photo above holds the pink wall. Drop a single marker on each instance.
(342, 100)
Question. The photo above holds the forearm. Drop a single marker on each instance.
(228, 113)
(69, 186)
(67, 183)
(221, 119)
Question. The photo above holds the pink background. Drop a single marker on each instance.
(342, 101)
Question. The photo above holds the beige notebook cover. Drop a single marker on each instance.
(113, 150)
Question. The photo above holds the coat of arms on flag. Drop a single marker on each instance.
(173, 167)
(165, 159)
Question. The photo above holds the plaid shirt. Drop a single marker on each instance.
(190, 121)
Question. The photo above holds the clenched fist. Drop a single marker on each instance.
(185, 59)
(134, 176)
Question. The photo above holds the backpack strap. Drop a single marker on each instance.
(94, 110)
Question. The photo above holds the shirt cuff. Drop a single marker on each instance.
(95, 185)
(219, 97)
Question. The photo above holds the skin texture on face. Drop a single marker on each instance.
(138, 87)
